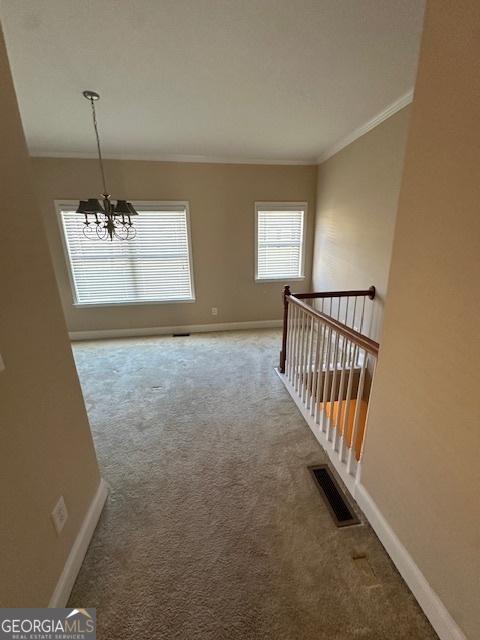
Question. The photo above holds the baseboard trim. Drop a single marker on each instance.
(79, 549)
(433, 607)
(162, 331)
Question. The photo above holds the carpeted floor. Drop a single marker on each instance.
(213, 528)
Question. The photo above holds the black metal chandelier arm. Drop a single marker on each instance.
(106, 227)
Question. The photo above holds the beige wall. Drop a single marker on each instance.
(45, 444)
(357, 197)
(422, 449)
(221, 200)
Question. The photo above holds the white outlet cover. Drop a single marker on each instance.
(214, 311)
(59, 515)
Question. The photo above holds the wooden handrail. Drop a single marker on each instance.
(362, 341)
(337, 294)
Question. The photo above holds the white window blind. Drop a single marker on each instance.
(280, 241)
(153, 267)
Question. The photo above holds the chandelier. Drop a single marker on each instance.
(105, 220)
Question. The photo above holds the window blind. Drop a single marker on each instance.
(154, 266)
(280, 243)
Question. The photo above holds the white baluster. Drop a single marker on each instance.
(316, 365)
(305, 357)
(362, 316)
(326, 379)
(330, 422)
(288, 359)
(346, 413)
(308, 392)
(301, 360)
(321, 373)
(292, 342)
(354, 313)
(352, 461)
(293, 373)
(341, 388)
(346, 312)
(295, 347)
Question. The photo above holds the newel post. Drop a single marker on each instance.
(283, 352)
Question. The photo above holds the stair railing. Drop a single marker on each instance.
(328, 365)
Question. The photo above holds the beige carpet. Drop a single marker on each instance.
(213, 528)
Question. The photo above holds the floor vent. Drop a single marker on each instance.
(335, 499)
(180, 335)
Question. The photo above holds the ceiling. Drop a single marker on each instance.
(227, 80)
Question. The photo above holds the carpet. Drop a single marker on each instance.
(214, 528)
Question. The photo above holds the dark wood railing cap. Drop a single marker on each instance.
(370, 293)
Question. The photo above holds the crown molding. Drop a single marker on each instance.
(368, 126)
(171, 158)
(403, 101)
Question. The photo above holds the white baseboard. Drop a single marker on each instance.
(436, 612)
(79, 549)
(162, 331)
(433, 607)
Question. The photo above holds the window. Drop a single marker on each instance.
(280, 239)
(153, 267)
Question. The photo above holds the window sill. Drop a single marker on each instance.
(88, 305)
(286, 280)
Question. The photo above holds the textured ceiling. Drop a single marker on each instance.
(277, 80)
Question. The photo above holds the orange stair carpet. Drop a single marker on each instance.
(333, 411)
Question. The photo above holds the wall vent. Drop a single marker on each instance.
(335, 499)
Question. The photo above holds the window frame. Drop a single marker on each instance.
(140, 205)
(281, 206)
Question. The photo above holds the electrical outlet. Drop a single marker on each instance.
(214, 311)
(2, 364)
(59, 515)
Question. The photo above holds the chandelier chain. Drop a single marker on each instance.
(100, 159)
